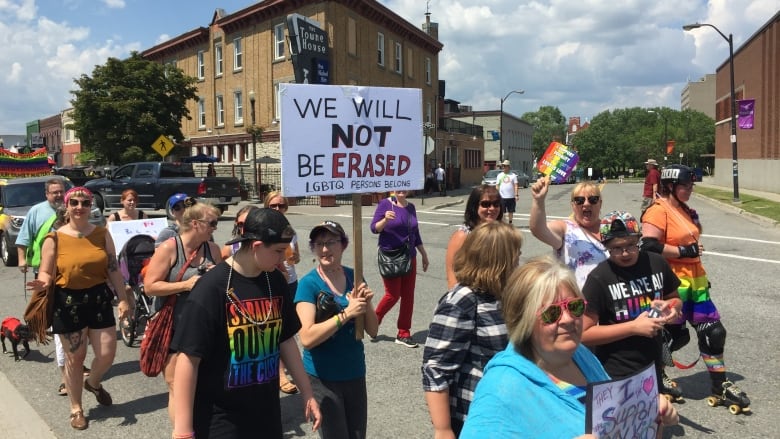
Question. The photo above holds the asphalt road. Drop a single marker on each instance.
(742, 257)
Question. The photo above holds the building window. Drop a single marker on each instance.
(428, 112)
(279, 41)
(220, 111)
(238, 55)
(428, 71)
(201, 65)
(218, 59)
(351, 36)
(380, 49)
(201, 113)
(472, 158)
(277, 102)
(410, 62)
(399, 65)
(238, 107)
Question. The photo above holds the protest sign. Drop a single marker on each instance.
(349, 139)
(623, 408)
(122, 231)
(558, 162)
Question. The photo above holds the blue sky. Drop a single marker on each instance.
(584, 57)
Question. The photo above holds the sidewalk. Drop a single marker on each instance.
(19, 419)
(771, 196)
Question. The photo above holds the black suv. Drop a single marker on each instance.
(17, 196)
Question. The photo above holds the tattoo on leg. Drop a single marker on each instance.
(75, 339)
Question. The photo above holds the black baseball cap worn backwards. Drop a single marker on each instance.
(267, 225)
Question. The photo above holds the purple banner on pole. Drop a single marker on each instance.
(746, 110)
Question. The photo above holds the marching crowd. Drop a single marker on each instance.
(511, 347)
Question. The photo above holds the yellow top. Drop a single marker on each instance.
(82, 262)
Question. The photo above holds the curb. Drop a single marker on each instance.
(447, 204)
(20, 420)
(739, 211)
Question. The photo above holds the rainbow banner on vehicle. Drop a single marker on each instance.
(558, 162)
(33, 164)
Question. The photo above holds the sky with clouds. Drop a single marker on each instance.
(583, 57)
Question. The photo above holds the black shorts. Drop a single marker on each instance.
(509, 204)
(75, 310)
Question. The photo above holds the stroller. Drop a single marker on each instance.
(134, 256)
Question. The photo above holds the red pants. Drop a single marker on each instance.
(399, 288)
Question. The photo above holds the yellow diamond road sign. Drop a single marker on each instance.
(162, 145)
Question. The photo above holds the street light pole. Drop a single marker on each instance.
(501, 125)
(254, 147)
(734, 162)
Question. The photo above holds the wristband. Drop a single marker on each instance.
(338, 321)
(689, 251)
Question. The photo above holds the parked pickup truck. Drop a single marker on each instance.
(155, 182)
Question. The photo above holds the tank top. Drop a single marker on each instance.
(580, 251)
(173, 273)
(81, 262)
(140, 215)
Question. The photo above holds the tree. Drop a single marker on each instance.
(128, 103)
(549, 124)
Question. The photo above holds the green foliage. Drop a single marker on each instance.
(85, 157)
(130, 102)
(132, 154)
(549, 124)
(623, 139)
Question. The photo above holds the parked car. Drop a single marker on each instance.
(17, 196)
(79, 175)
(491, 175)
(155, 182)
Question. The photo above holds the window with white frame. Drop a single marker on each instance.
(277, 102)
(428, 71)
(238, 106)
(380, 48)
(201, 113)
(399, 54)
(238, 54)
(351, 36)
(279, 41)
(218, 58)
(220, 111)
(201, 64)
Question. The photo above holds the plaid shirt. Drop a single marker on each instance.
(466, 331)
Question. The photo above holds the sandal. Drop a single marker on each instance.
(103, 398)
(287, 387)
(62, 390)
(78, 421)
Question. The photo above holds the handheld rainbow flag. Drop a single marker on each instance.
(558, 162)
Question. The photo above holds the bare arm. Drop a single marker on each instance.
(185, 380)
(550, 233)
(424, 254)
(117, 280)
(439, 410)
(456, 242)
(156, 279)
(292, 360)
(596, 335)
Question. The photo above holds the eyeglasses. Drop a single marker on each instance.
(75, 203)
(593, 199)
(618, 251)
(552, 314)
(213, 223)
(330, 243)
(486, 204)
(279, 206)
(56, 192)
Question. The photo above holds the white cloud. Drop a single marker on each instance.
(116, 4)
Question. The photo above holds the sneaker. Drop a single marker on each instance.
(406, 341)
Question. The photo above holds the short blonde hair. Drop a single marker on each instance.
(271, 195)
(489, 255)
(587, 187)
(530, 288)
(196, 212)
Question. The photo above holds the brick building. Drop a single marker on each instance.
(756, 76)
(246, 54)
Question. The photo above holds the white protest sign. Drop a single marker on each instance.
(623, 408)
(122, 231)
(349, 139)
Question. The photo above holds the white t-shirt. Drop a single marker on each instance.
(506, 184)
(439, 174)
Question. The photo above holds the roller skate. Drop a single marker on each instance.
(732, 396)
(670, 389)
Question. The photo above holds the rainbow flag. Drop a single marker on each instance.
(34, 164)
(558, 162)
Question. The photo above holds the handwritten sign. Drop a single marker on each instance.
(122, 231)
(623, 408)
(349, 139)
(558, 162)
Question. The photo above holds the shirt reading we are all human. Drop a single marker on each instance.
(239, 359)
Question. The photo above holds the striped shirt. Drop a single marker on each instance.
(466, 331)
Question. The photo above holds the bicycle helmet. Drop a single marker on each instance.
(677, 174)
(618, 224)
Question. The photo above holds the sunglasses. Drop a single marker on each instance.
(552, 314)
(593, 199)
(279, 206)
(75, 203)
(213, 223)
(486, 204)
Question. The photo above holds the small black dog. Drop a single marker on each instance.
(14, 330)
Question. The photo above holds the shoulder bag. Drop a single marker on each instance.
(159, 330)
(396, 262)
(39, 313)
